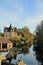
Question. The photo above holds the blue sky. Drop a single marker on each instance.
(21, 13)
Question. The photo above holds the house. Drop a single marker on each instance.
(9, 31)
(5, 44)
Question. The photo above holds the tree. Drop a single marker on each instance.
(1, 34)
(39, 35)
(27, 34)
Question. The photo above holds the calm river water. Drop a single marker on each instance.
(31, 58)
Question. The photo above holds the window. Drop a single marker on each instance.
(4, 45)
(9, 45)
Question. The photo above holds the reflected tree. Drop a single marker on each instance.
(39, 57)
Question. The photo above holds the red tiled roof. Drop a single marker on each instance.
(4, 40)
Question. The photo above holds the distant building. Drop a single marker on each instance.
(5, 44)
(9, 31)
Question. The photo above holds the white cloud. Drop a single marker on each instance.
(32, 22)
(20, 21)
(9, 17)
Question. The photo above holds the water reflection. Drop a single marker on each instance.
(26, 54)
(39, 57)
(13, 53)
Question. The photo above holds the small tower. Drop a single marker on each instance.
(10, 26)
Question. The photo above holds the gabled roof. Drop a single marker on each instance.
(4, 40)
(8, 28)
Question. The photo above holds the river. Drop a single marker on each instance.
(29, 58)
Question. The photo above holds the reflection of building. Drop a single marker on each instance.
(9, 31)
(5, 43)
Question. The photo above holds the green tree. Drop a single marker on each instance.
(1, 34)
(39, 35)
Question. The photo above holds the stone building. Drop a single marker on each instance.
(9, 31)
(5, 44)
